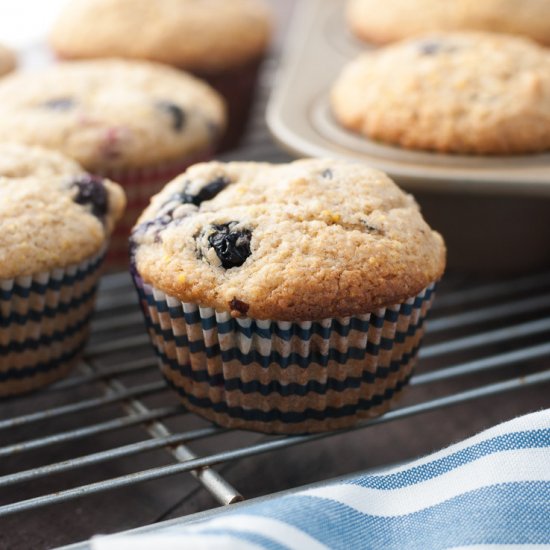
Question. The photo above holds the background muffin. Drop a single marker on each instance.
(135, 122)
(55, 222)
(285, 298)
(391, 20)
(7, 60)
(222, 42)
(468, 93)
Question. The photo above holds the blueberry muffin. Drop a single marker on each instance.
(55, 222)
(223, 42)
(469, 93)
(137, 123)
(7, 60)
(285, 298)
(391, 20)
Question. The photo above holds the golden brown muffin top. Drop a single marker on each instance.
(111, 113)
(52, 213)
(300, 241)
(391, 20)
(470, 93)
(198, 35)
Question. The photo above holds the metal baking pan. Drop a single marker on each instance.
(492, 210)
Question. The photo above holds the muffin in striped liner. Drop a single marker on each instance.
(45, 323)
(285, 298)
(138, 123)
(55, 222)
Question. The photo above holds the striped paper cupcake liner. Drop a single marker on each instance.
(280, 376)
(237, 86)
(139, 185)
(44, 324)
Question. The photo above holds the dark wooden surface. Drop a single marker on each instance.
(178, 495)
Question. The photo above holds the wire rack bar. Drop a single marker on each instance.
(85, 405)
(115, 322)
(115, 301)
(95, 429)
(127, 367)
(120, 344)
(270, 446)
(110, 454)
(115, 281)
(214, 482)
(490, 337)
(478, 365)
(492, 290)
(500, 311)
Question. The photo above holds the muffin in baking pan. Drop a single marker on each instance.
(382, 22)
(285, 298)
(137, 123)
(55, 224)
(466, 93)
(220, 41)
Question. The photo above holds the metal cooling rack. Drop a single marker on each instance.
(471, 320)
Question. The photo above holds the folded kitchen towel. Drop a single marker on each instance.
(490, 491)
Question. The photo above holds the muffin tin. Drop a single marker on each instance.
(470, 199)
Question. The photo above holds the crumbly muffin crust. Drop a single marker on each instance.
(52, 213)
(392, 20)
(461, 93)
(111, 113)
(301, 241)
(7, 60)
(198, 35)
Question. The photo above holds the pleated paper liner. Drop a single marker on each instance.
(140, 184)
(237, 86)
(44, 324)
(279, 376)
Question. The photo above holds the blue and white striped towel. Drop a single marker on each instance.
(490, 491)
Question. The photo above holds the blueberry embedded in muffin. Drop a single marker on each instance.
(175, 112)
(91, 191)
(205, 193)
(230, 242)
(59, 104)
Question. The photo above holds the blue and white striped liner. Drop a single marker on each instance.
(44, 320)
(279, 376)
(490, 491)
